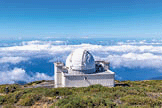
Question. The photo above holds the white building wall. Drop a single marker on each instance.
(63, 80)
(58, 74)
(81, 81)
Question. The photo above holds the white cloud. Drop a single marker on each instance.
(141, 42)
(47, 47)
(19, 74)
(119, 55)
(38, 42)
(134, 60)
(13, 60)
(42, 76)
(124, 55)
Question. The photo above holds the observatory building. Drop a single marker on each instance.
(81, 70)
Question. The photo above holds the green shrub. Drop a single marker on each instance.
(27, 102)
(2, 100)
(143, 94)
(11, 88)
(29, 99)
(80, 101)
(58, 92)
(109, 103)
(117, 94)
(138, 100)
(13, 97)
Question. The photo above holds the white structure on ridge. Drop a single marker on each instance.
(82, 70)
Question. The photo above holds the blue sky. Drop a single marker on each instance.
(79, 18)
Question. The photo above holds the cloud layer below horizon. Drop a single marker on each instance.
(120, 55)
(19, 74)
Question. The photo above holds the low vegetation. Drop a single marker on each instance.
(145, 94)
(35, 82)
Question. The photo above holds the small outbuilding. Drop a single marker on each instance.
(81, 70)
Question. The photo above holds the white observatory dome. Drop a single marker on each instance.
(80, 60)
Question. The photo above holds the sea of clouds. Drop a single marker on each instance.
(129, 54)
